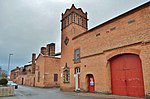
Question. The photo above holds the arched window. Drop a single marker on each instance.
(66, 74)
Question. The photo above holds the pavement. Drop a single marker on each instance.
(25, 92)
(99, 95)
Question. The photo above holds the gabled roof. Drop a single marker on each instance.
(28, 65)
(17, 68)
(46, 56)
(40, 54)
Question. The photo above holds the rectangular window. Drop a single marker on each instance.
(55, 77)
(14, 76)
(68, 20)
(113, 28)
(78, 20)
(77, 70)
(77, 55)
(82, 22)
(38, 76)
(73, 17)
(131, 21)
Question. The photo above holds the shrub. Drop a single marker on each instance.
(3, 82)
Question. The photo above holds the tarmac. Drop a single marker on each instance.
(108, 96)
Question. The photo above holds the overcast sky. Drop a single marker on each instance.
(27, 25)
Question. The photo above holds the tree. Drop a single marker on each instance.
(3, 81)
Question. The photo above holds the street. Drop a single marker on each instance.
(25, 92)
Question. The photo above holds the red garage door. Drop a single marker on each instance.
(126, 75)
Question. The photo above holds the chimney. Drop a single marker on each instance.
(48, 49)
(43, 50)
(33, 63)
(51, 49)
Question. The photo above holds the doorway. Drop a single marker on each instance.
(90, 82)
(22, 81)
(126, 75)
(77, 77)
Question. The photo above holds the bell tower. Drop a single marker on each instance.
(73, 23)
(74, 16)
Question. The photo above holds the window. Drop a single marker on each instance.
(55, 77)
(66, 40)
(20, 71)
(82, 22)
(24, 71)
(77, 55)
(67, 19)
(29, 71)
(14, 76)
(113, 28)
(74, 18)
(77, 70)
(131, 21)
(98, 34)
(78, 20)
(66, 74)
(38, 76)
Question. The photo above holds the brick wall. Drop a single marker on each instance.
(47, 66)
(128, 33)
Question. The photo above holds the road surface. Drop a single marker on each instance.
(25, 92)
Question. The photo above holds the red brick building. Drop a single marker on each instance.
(23, 75)
(47, 73)
(14, 73)
(43, 72)
(113, 57)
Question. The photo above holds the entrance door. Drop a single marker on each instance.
(91, 83)
(34, 82)
(126, 75)
(22, 80)
(77, 70)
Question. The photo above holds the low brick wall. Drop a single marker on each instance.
(7, 91)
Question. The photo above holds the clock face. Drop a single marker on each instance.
(66, 41)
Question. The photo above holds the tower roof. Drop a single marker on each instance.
(75, 10)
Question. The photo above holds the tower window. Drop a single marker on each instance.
(78, 20)
(82, 22)
(68, 20)
(66, 41)
(73, 17)
(84, 25)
